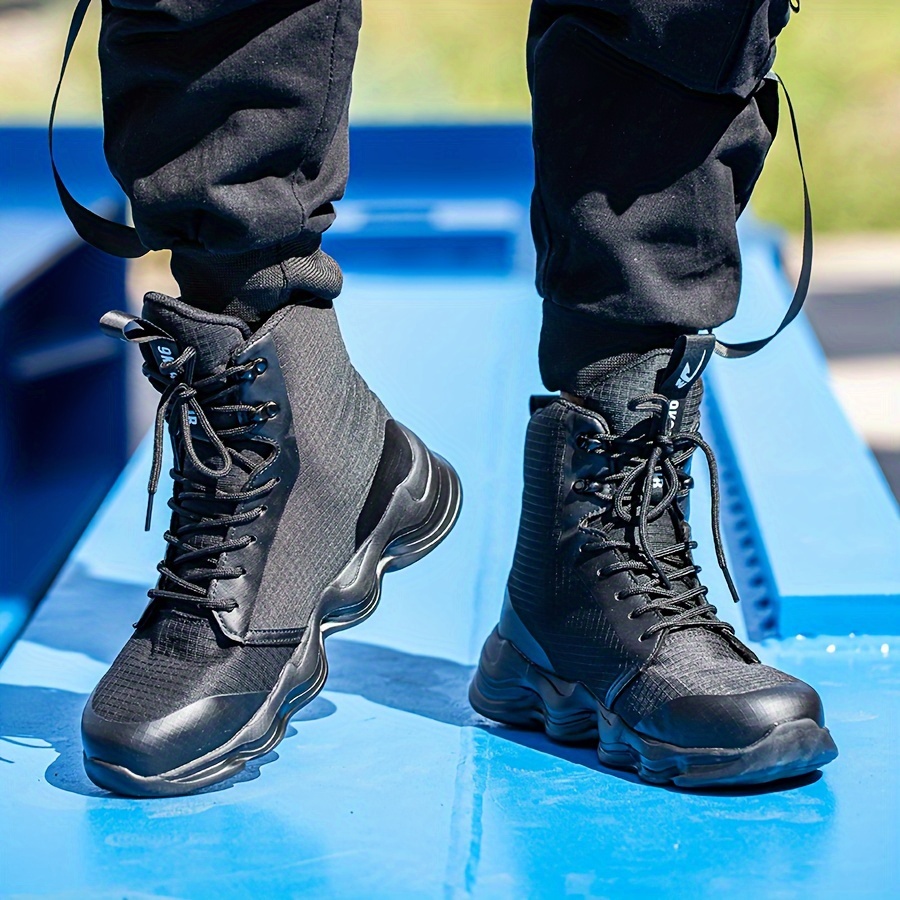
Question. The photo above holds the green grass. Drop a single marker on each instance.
(463, 60)
(841, 62)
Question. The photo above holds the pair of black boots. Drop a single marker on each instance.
(295, 491)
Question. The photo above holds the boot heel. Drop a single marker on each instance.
(500, 689)
(509, 688)
(446, 500)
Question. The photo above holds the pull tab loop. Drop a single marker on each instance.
(690, 356)
(125, 327)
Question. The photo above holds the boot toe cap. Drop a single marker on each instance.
(165, 744)
(731, 720)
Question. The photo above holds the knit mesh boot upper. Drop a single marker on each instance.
(327, 402)
(603, 591)
(287, 491)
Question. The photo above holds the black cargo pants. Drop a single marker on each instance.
(226, 124)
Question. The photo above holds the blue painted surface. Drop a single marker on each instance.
(388, 784)
(802, 469)
(27, 179)
(61, 378)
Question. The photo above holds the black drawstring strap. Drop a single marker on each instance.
(113, 237)
(747, 348)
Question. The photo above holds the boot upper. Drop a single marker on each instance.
(276, 441)
(603, 577)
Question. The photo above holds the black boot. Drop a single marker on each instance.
(606, 631)
(294, 492)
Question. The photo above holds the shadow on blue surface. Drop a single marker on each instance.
(51, 717)
(423, 686)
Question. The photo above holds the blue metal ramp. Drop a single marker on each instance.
(388, 784)
(57, 371)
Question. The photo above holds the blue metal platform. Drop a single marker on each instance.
(388, 784)
(56, 369)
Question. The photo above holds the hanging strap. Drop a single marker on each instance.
(113, 237)
(737, 351)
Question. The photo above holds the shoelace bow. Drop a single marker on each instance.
(184, 404)
(635, 480)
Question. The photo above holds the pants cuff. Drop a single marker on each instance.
(258, 282)
(572, 341)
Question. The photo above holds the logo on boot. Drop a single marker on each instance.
(687, 374)
(165, 354)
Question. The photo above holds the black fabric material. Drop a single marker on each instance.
(711, 46)
(578, 615)
(551, 599)
(639, 183)
(318, 455)
(254, 284)
(176, 660)
(393, 467)
(339, 428)
(226, 125)
(651, 125)
(214, 337)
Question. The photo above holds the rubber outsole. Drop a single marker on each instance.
(304, 676)
(512, 690)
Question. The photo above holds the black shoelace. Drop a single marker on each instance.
(643, 465)
(202, 509)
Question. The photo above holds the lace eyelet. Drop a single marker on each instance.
(258, 367)
(266, 411)
(586, 441)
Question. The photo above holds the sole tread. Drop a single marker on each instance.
(510, 689)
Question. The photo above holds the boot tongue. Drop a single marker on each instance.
(673, 373)
(214, 337)
(629, 376)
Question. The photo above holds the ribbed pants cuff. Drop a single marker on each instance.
(254, 284)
